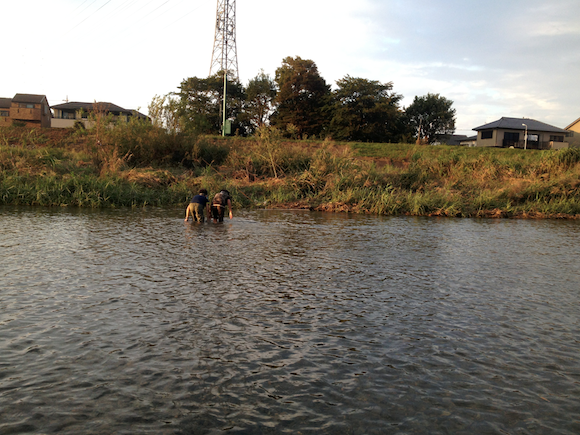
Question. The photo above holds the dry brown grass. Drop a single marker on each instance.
(149, 177)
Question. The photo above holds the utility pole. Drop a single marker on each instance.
(224, 58)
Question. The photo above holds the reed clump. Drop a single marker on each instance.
(135, 164)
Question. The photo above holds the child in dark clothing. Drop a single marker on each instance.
(197, 207)
(221, 201)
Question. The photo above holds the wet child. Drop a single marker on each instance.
(197, 207)
(221, 201)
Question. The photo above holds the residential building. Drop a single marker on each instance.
(5, 119)
(67, 114)
(470, 141)
(453, 139)
(28, 109)
(574, 133)
(511, 132)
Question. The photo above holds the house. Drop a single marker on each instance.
(5, 104)
(453, 139)
(28, 109)
(511, 132)
(67, 114)
(470, 141)
(574, 133)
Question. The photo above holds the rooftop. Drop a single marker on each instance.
(575, 122)
(107, 107)
(517, 124)
(29, 98)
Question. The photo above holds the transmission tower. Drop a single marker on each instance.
(225, 57)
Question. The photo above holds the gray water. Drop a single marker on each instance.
(133, 322)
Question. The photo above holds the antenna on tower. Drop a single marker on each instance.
(225, 55)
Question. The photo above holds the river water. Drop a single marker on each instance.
(134, 322)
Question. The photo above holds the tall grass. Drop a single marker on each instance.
(135, 164)
(85, 191)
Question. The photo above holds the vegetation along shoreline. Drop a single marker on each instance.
(136, 164)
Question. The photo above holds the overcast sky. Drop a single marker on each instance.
(493, 58)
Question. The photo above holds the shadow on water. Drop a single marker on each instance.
(132, 321)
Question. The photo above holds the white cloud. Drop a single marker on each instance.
(556, 28)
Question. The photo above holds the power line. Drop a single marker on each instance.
(123, 6)
(109, 1)
(145, 16)
(164, 12)
(158, 7)
(138, 12)
(80, 5)
(182, 17)
(92, 14)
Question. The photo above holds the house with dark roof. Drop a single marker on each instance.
(521, 133)
(453, 139)
(470, 141)
(29, 109)
(66, 114)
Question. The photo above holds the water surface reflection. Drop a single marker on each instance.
(130, 321)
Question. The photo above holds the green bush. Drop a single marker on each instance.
(207, 152)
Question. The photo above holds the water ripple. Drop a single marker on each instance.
(129, 321)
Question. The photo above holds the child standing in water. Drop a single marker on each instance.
(219, 204)
(197, 207)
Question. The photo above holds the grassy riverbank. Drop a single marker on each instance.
(137, 165)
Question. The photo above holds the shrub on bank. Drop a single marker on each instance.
(137, 164)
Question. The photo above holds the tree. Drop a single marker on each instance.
(202, 101)
(365, 110)
(430, 118)
(260, 95)
(302, 96)
(164, 113)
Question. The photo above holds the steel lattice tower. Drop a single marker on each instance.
(225, 55)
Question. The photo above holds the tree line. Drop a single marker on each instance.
(299, 103)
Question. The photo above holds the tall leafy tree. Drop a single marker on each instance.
(365, 110)
(260, 95)
(164, 112)
(431, 118)
(202, 101)
(302, 97)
